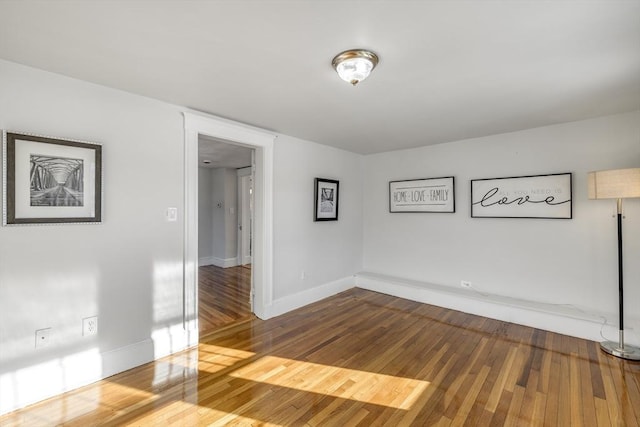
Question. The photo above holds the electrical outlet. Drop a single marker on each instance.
(303, 275)
(43, 337)
(465, 284)
(90, 326)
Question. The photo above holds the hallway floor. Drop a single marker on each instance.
(223, 296)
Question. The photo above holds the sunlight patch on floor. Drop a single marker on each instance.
(213, 358)
(189, 414)
(363, 386)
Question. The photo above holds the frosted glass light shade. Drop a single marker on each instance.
(353, 66)
(614, 184)
(354, 70)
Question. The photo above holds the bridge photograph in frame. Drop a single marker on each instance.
(50, 180)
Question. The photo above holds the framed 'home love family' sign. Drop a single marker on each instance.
(422, 195)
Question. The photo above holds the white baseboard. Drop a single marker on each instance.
(35, 383)
(31, 384)
(292, 302)
(218, 262)
(562, 319)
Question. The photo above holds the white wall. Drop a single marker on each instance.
(205, 209)
(217, 217)
(551, 261)
(127, 270)
(231, 214)
(328, 253)
(218, 204)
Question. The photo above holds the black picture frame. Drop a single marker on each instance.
(426, 195)
(326, 199)
(51, 180)
(547, 196)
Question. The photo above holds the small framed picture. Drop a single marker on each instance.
(50, 180)
(326, 199)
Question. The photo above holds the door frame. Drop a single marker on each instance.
(244, 209)
(262, 141)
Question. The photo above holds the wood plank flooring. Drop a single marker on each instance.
(223, 296)
(367, 359)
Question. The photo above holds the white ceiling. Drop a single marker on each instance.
(448, 70)
(214, 153)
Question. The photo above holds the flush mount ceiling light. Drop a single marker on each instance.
(355, 65)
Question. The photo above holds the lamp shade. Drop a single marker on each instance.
(614, 184)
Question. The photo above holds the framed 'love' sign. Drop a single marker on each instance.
(537, 196)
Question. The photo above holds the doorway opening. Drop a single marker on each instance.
(225, 217)
(262, 142)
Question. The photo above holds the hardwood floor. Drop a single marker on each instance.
(362, 358)
(223, 296)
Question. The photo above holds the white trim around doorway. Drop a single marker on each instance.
(262, 141)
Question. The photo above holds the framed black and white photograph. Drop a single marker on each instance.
(49, 180)
(422, 195)
(326, 200)
(537, 196)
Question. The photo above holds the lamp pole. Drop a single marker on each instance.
(617, 184)
(619, 349)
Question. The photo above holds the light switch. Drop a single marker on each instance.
(172, 214)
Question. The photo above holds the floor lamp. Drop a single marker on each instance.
(617, 184)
